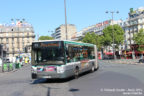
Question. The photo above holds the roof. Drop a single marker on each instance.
(67, 42)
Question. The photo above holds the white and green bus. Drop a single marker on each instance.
(62, 59)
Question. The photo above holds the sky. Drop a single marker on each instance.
(47, 15)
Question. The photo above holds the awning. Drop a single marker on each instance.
(130, 52)
(136, 52)
(108, 53)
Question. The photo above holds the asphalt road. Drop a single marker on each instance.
(109, 80)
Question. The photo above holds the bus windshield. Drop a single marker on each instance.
(48, 53)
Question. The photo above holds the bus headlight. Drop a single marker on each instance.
(34, 69)
(60, 69)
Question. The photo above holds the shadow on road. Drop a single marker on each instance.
(40, 81)
(73, 90)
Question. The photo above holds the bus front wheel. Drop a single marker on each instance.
(97, 68)
(34, 76)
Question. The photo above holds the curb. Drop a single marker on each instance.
(131, 62)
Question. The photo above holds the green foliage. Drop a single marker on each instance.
(87, 38)
(45, 38)
(131, 10)
(93, 39)
(111, 32)
(107, 38)
(139, 39)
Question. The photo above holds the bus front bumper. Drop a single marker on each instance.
(50, 75)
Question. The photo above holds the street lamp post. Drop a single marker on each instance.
(112, 12)
(65, 20)
(131, 47)
(51, 32)
(2, 56)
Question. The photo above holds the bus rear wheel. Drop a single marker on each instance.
(97, 68)
(76, 73)
(92, 68)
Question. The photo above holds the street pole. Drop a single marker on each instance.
(113, 36)
(2, 56)
(65, 20)
(51, 32)
(112, 12)
(131, 47)
(38, 36)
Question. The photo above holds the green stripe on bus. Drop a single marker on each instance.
(77, 43)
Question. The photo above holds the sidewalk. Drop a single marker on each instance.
(0, 69)
(124, 61)
(13, 70)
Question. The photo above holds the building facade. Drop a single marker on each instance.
(60, 32)
(132, 25)
(98, 28)
(15, 37)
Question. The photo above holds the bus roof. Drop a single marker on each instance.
(67, 42)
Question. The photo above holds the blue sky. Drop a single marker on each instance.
(46, 15)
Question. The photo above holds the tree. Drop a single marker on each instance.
(45, 38)
(113, 32)
(139, 39)
(93, 39)
(87, 38)
(131, 10)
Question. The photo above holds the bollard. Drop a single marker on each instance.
(5, 67)
(11, 66)
(19, 65)
(16, 65)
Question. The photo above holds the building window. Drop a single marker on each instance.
(28, 34)
(23, 44)
(2, 40)
(7, 34)
(27, 40)
(12, 40)
(7, 49)
(12, 34)
(7, 40)
(13, 49)
(23, 40)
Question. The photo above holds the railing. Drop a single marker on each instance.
(17, 36)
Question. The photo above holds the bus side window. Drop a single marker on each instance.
(81, 56)
(68, 54)
(91, 53)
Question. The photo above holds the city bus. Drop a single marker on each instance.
(53, 59)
